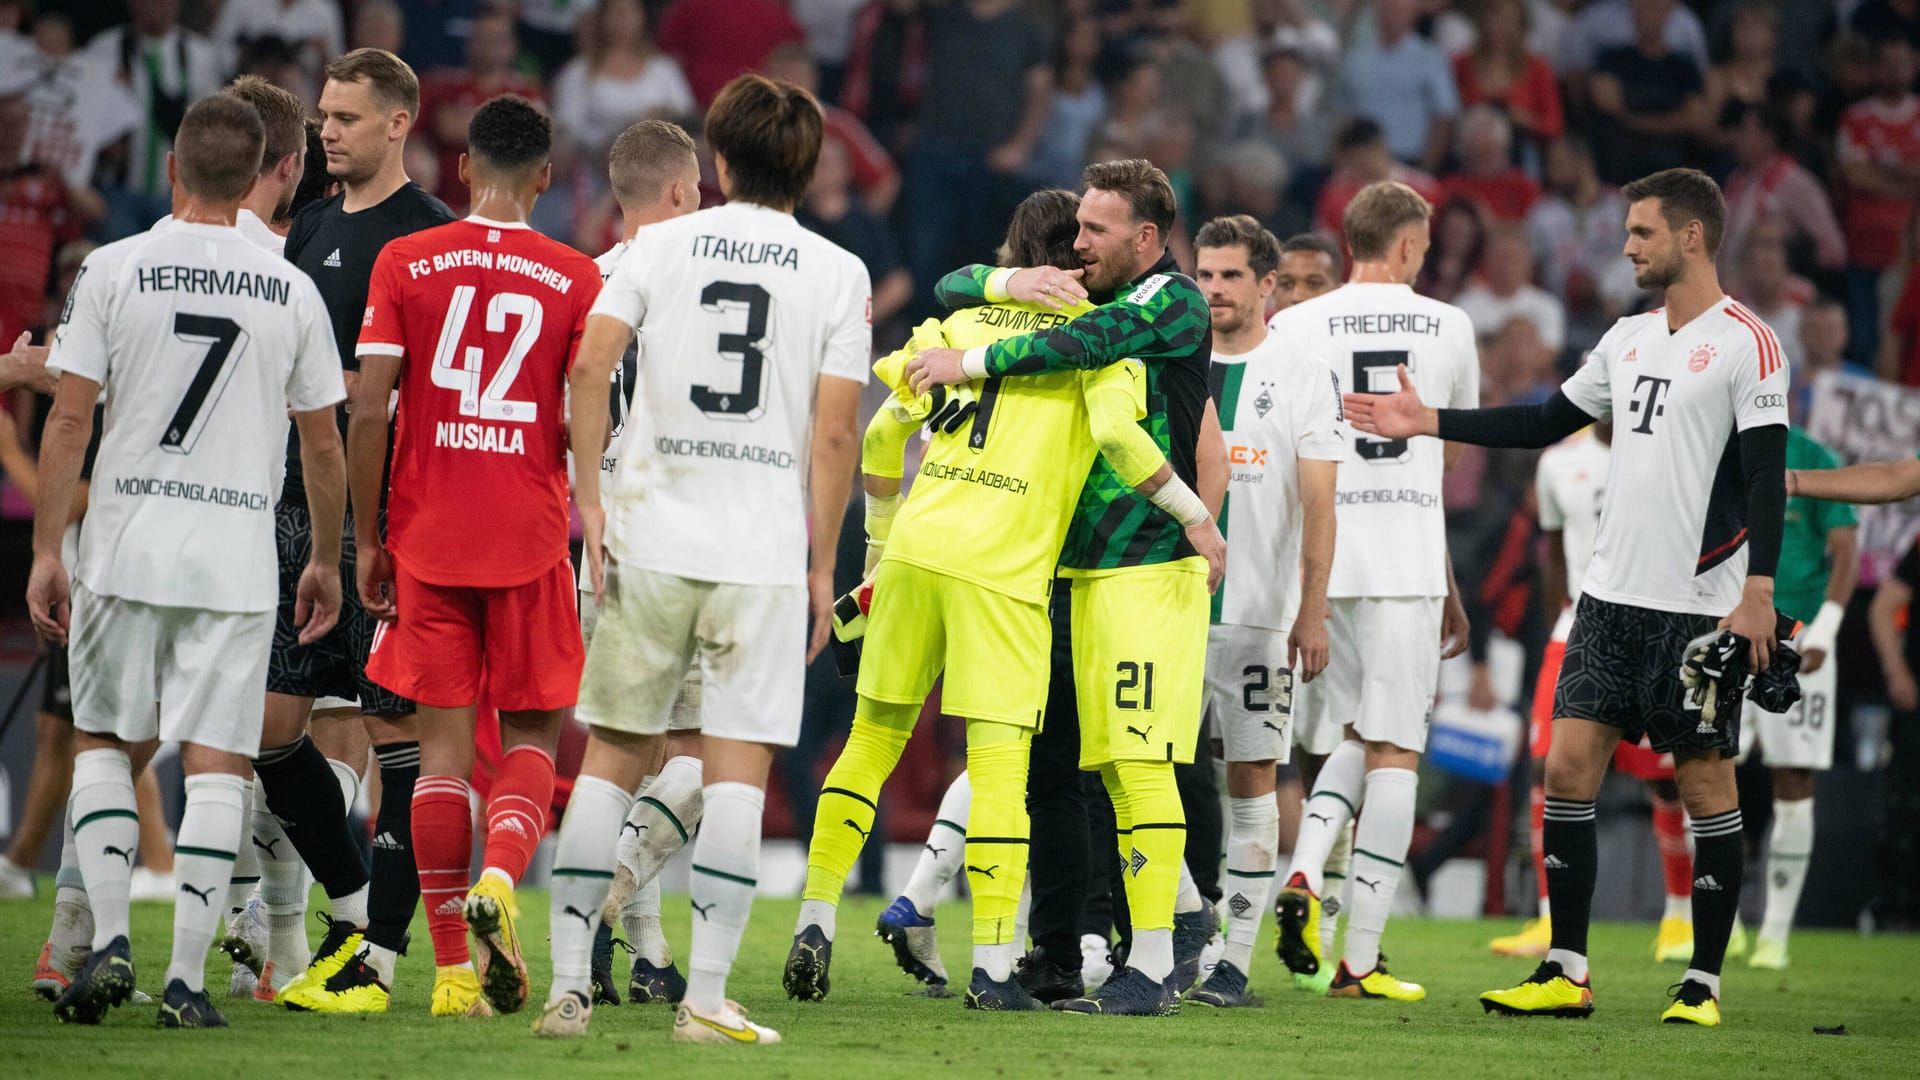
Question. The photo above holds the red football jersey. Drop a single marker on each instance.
(486, 317)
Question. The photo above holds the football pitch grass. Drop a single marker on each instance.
(869, 1027)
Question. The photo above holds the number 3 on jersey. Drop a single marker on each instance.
(464, 375)
(747, 402)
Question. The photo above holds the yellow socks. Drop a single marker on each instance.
(844, 815)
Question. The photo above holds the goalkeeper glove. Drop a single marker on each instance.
(849, 627)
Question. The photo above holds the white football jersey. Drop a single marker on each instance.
(1393, 530)
(1277, 406)
(1673, 531)
(744, 310)
(1568, 483)
(202, 341)
(619, 403)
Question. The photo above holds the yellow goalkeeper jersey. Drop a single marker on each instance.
(994, 497)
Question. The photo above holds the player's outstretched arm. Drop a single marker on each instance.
(972, 286)
(601, 346)
(324, 464)
(1867, 483)
(63, 447)
(836, 446)
(24, 367)
(1402, 415)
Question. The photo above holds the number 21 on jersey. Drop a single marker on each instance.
(459, 369)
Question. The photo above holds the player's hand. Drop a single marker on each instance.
(820, 604)
(1754, 620)
(1481, 696)
(1811, 660)
(373, 570)
(25, 366)
(48, 602)
(593, 545)
(1307, 645)
(935, 367)
(1047, 285)
(316, 604)
(1400, 415)
(1454, 628)
(1902, 692)
(1208, 542)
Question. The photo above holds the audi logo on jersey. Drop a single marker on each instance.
(1770, 401)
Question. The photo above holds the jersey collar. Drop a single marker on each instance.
(492, 224)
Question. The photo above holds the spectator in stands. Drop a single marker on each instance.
(1135, 93)
(1610, 24)
(1290, 123)
(312, 27)
(75, 113)
(165, 68)
(1505, 291)
(449, 96)
(1249, 178)
(829, 27)
(988, 86)
(1533, 366)
(1879, 154)
(378, 24)
(1747, 78)
(1822, 347)
(1898, 355)
(36, 217)
(716, 40)
(1576, 229)
(831, 209)
(1076, 110)
(1885, 20)
(1499, 70)
(886, 69)
(1487, 173)
(1360, 157)
(437, 30)
(1459, 238)
(546, 30)
(1650, 100)
(1767, 285)
(1403, 82)
(621, 78)
(1273, 25)
(1766, 183)
(875, 179)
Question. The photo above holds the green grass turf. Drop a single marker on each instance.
(870, 1028)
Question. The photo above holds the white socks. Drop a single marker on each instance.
(283, 889)
(582, 870)
(945, 850)
(1253, 843)
(659, 824)
(1188, 899)
(1336, 798)
(211, 830)
(1788, 850)
(1379, 854)
(1152, 953)
(726, 870)
(1678, 907)
(106, 832)
(348, 778)
(1572, 964)
(817, 913)
(1712, 981)
(246, 861)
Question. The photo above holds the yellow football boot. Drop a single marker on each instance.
(340, 944)
(1547, 992)
(456, 992)
(491, 912)
(1532, 940)
(1297, 936)
(355, 988)
(1693, 1003)
(1378, 983)
(1674, 943)
(1768, 955)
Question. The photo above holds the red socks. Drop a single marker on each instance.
(1536, 836)
(1670, 830)
(517, 809)
(443, 849)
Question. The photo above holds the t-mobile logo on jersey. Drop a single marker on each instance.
(1647, 404)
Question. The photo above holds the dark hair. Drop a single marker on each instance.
(1042, 231)
(1378, 213)
(1313, 241)
(1241, 230)
(281, 116)
(1357, 133)
(1685, 195)
(218, 147)
(509, 134)
(394, 84)
(645, 158)
(1772, 118)
(1148, 193)
(769, 134)
(314, 181)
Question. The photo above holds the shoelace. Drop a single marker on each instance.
(1690, 993)
(329, 943)
(1546, 972)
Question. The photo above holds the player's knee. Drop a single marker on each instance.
(1572, 776)
(1250, 779)
(887, 714)
(1706, 783)
(1792, 785)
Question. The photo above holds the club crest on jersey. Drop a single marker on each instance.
(1700, 357)
(1263, 404)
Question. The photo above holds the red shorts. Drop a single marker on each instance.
(1543, 696)
(524, 641)
(1639, 761)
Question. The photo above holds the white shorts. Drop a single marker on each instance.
(1249, 692)
(206, 670)
(686, 705)
(1801, 737)
(749, 643)
(1382, 670)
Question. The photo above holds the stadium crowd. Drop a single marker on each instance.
(1517, 119)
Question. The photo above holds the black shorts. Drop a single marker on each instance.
(336, 665)
(1623, 669)
(56, 694)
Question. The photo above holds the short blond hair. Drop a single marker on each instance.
(1378, 213)
(645, 158)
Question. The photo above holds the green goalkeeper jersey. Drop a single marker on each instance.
(1800, 584)
(1161, 320)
